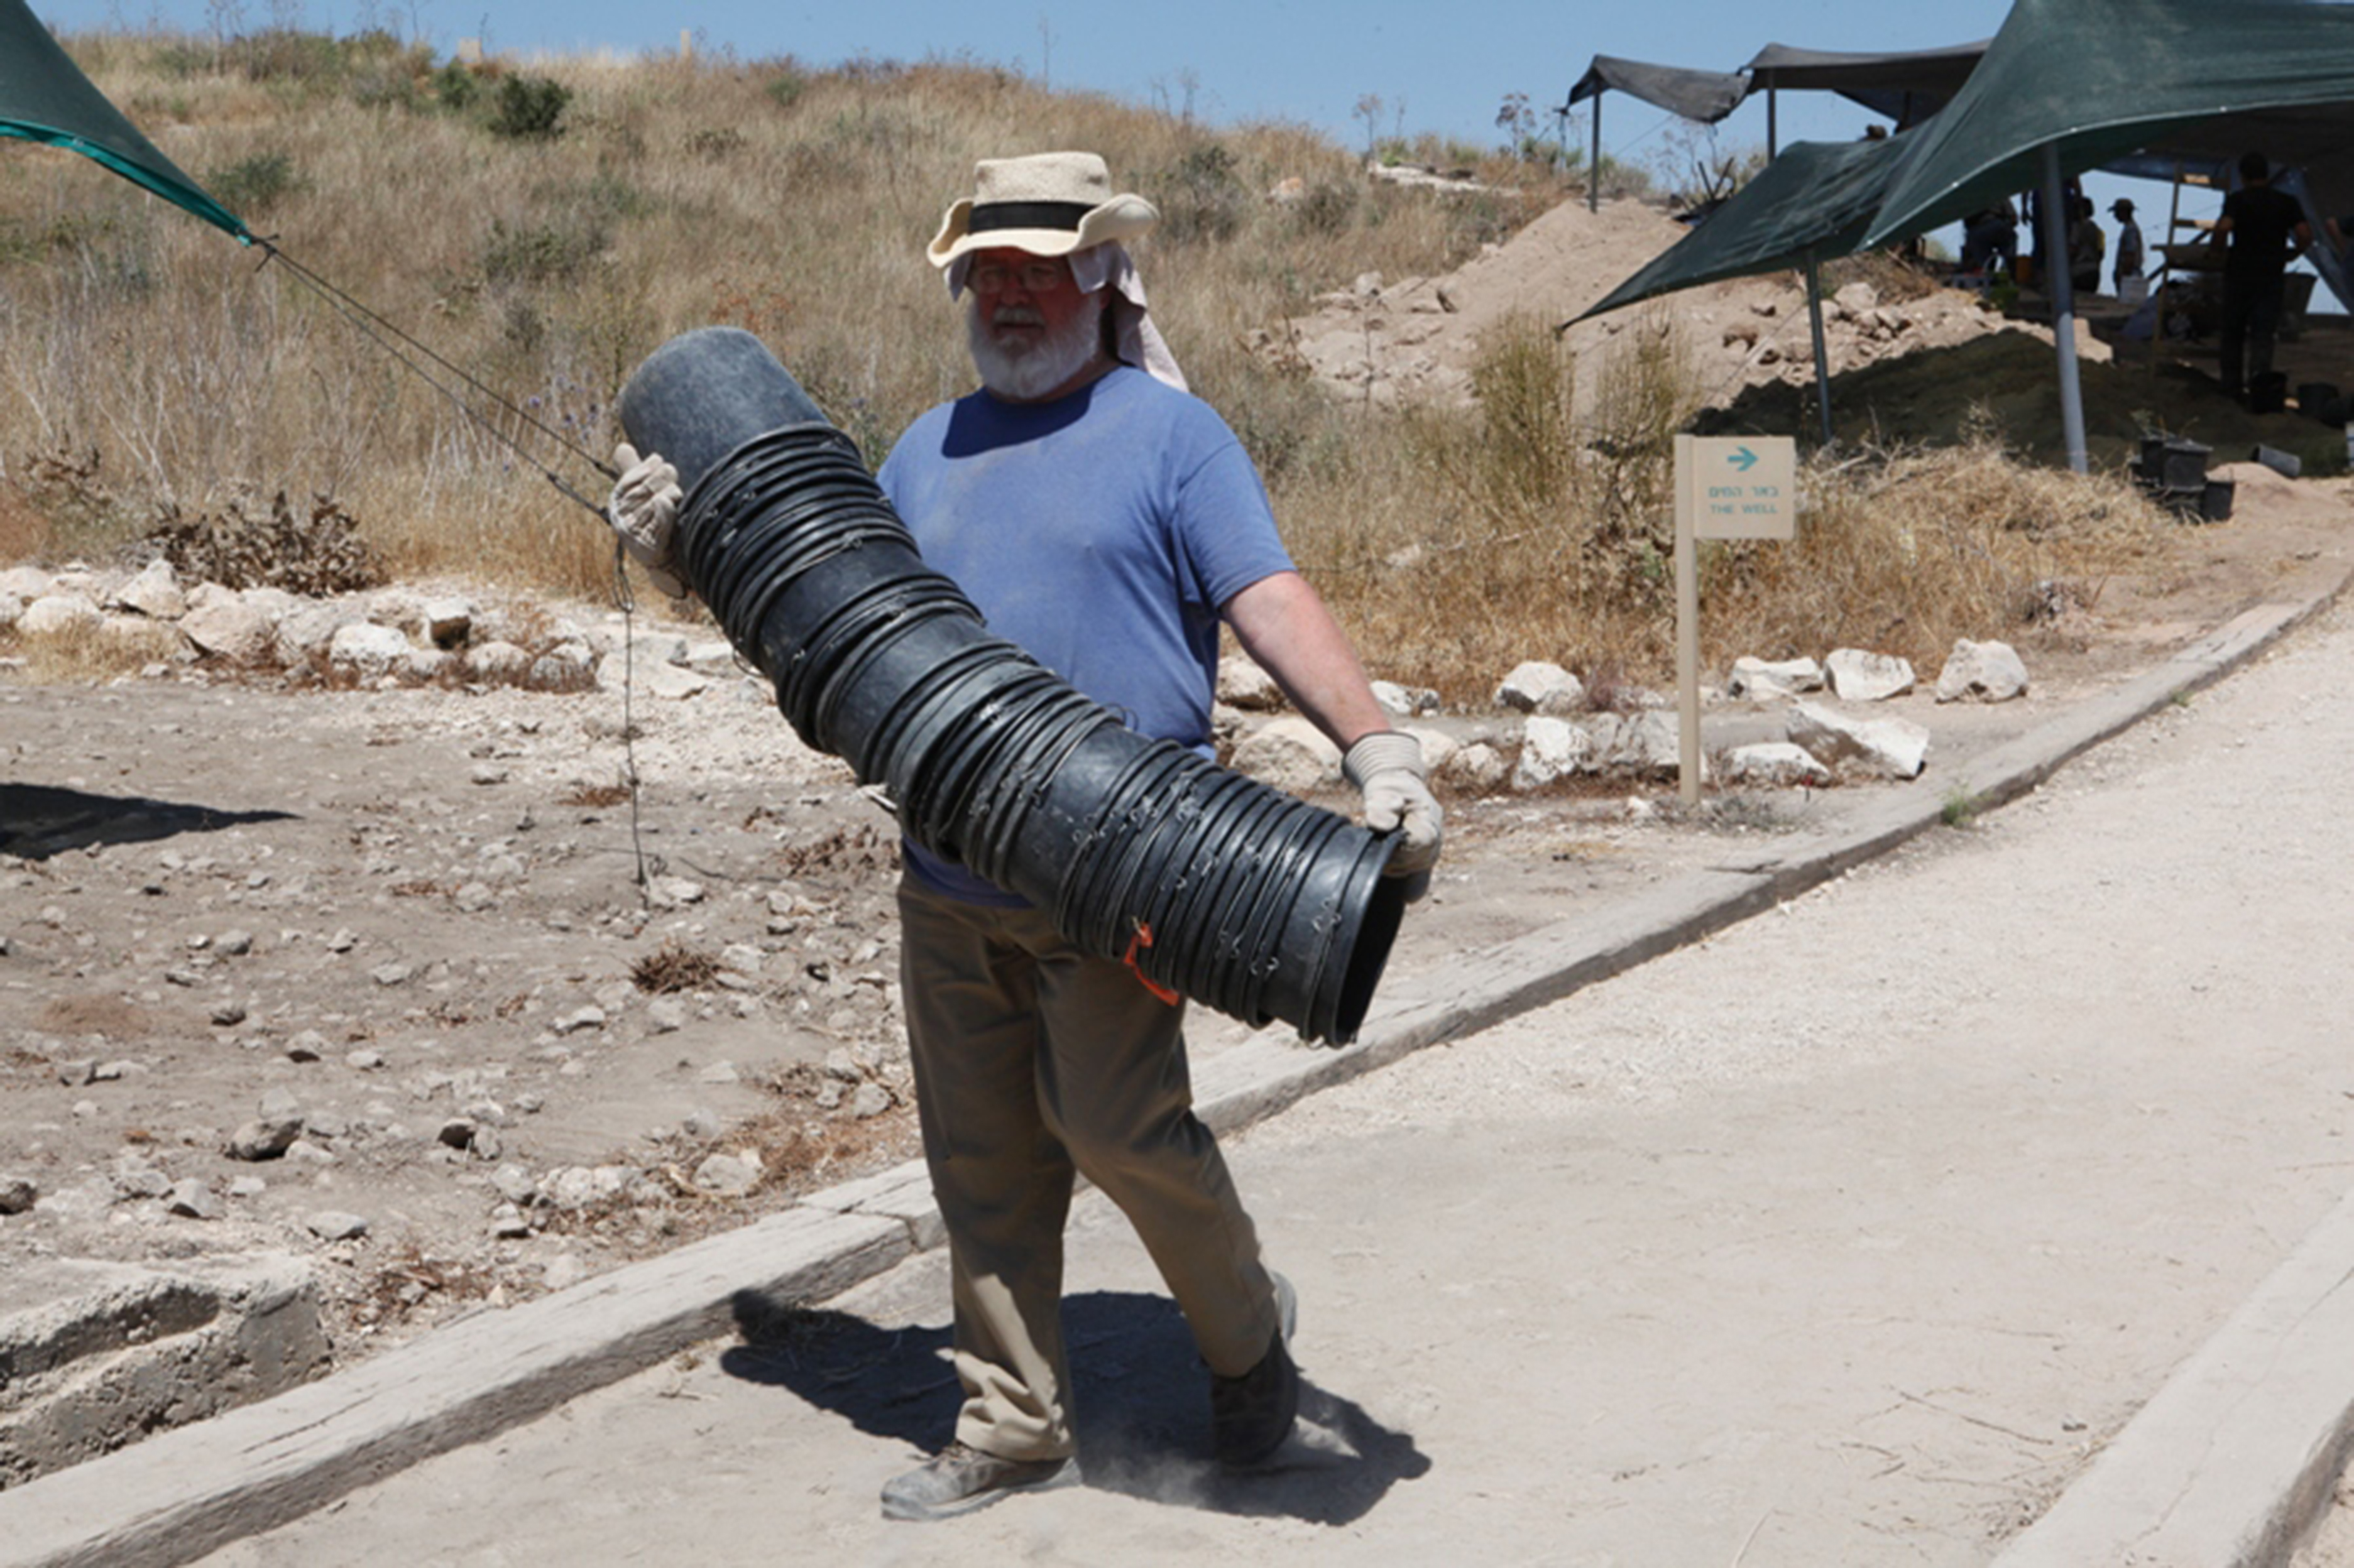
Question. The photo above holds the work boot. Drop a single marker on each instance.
(961, 1478)
(1251, 1415)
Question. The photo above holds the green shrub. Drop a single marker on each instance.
(457, 87)
(555, 252)
(530, 107)
(1202, 196)
(1330, 207)
(1523, 380)
(253, 185)
(785, 89)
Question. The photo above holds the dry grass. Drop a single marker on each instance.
(596, 796)
(1904, 552)
(673, 194)
(1462, 543)
(674, 967)
(150, 371)
(92, 653)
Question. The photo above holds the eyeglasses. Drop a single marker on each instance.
(1036, 277)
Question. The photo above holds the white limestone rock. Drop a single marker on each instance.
(1551, 749)
(1404, 702)
(1539, 687)
(728, 1175)
(367, 653)
(335, 1225)
(1243, 684)
(447, 622)
(1290, 754)
(1777, 763)
(567, 667)
(497, 663)
(1478, 767)
(58, 615)
(1984, 671)
(1764, 681)
(155, 592)
(1896, 748)
(229, 628)
(1857, 676)
(1648, 744)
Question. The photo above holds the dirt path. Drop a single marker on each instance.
(1847, 1237)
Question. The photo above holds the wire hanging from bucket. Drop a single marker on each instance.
(383, 332)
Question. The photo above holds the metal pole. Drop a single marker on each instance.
(1594, 170)
(1822, 346)
(1773, 102)
(2056, 218)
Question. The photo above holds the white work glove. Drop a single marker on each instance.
(643, 509)
(1388, 771)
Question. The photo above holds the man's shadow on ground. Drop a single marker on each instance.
(1141, 1402)
(37, 821)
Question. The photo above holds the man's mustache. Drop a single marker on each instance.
(1016, 315)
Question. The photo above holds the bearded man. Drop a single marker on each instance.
(1110, 522)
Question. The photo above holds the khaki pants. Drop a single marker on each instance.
(1034, 1059)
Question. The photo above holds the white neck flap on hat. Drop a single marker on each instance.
(1138, 341)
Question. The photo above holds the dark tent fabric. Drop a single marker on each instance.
(2104, 78)
(1906, 87)
(1704, 95)
(44, 97)
(1812, 203)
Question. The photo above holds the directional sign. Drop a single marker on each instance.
(1727, 487)
(1741, 487)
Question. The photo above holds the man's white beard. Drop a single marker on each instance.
(1025, 372)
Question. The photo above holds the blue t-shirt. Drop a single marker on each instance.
(1100, 532)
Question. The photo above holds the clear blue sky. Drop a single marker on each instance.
(1436, 68)
(1444, 69)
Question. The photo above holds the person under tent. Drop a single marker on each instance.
(2263, 229)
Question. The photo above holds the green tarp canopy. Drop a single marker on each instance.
(1907, 87)
(2099, 79)
(1707, 96)
(44, 97)
(2109, 81)
(1811, 203)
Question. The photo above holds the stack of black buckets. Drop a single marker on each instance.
(1210, 883)
(2173, 473)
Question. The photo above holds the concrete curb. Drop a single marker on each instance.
(190, 1491)
(2235, 1459)
(184, 1494)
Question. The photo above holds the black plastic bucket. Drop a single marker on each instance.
(1257, 904)
(2185, 465)
(706, 393)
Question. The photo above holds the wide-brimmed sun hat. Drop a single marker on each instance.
(2121, 207)
(1049, 203)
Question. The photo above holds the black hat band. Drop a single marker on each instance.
(1027, 215)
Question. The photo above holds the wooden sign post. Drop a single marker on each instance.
(1727, 487)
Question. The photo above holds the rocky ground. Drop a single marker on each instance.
(387, 967)
(359, 956)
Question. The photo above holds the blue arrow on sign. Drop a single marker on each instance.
(1744, 459)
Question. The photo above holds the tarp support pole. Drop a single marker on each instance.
(1594, 169)
(2056, 218)
(1822, 346)
(1773, 143)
